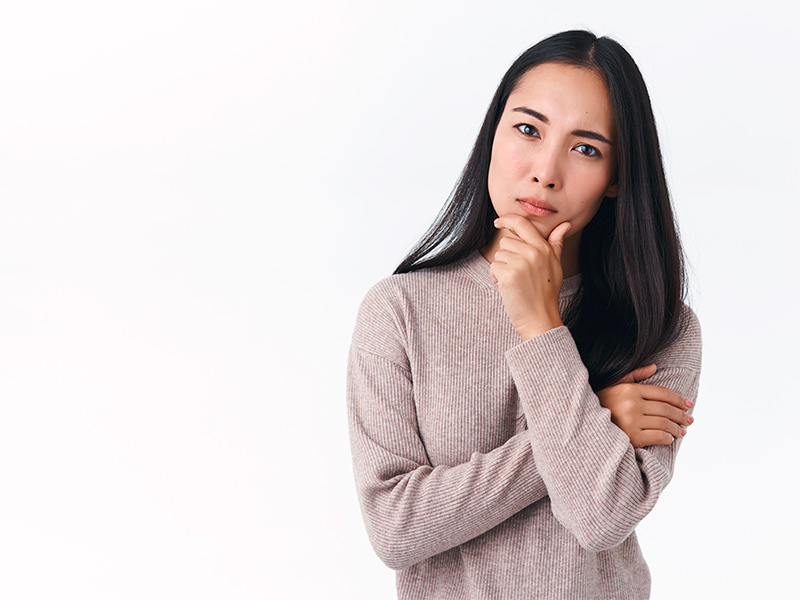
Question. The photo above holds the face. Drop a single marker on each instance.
(553, 157)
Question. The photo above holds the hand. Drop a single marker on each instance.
(527, 269)
(650, 415)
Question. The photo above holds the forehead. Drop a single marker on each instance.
(575, 97)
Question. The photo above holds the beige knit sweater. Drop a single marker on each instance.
(485, 466)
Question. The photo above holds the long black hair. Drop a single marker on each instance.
(632, 266)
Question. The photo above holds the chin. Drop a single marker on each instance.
(544, 229)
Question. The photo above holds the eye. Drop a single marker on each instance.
(588, 150)
(527, 130)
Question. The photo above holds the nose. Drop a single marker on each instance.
(551, 184)
(546, 169)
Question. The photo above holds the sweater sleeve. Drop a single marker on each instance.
(413, 510)
(600, 486)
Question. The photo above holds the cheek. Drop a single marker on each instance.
(506, 166)
(591, 210)
(588, 197)
(593, 183)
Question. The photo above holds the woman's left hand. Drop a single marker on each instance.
(527, 270)
(650, 415)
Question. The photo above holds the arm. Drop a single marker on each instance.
(411, 509)
(599, 485)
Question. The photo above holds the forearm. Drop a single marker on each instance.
(600, 487)
(423, 512)
(412, 510)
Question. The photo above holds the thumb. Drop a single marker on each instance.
(643, 372)
(556, 239)
(639, 374)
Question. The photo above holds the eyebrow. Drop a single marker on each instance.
(592, 135)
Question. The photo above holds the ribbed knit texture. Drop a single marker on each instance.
(485, 466)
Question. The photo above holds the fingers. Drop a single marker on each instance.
(520, 230)
(525, 230)
(650, 415)
(506, 236)
(652, 437)
(662, 394)
(663, 424)
(521, 227)
(639, 374)
(662, 409)
(511, 247)
(512, 242)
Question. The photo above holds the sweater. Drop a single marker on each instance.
(485, 466)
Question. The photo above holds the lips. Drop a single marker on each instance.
(537, 207)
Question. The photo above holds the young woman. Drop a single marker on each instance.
(519, 388)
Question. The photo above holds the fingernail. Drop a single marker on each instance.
(689, 403)
(683, 432)
(691, 419)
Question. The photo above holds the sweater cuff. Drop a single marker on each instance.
(556, 396)
(549, 361)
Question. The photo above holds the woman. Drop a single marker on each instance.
(518, 390)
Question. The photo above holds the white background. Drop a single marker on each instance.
(195, 198)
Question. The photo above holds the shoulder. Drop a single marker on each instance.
(392, 307)
(687, 346)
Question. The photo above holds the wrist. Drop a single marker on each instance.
(533, 330)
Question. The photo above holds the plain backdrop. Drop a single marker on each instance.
(195, 197)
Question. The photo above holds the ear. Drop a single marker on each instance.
(612, 191)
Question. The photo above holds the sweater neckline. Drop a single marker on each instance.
(476, 265)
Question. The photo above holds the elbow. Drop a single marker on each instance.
(398, 539)
(610, 521)
(397, 535)
(395, 561)
(394, 550)
(601, 531)
(400, 543)
(601, 540)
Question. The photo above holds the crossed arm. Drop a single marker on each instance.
(603, 459)
(600, 486)
(414, 511)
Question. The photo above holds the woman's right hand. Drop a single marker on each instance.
(650, 415)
